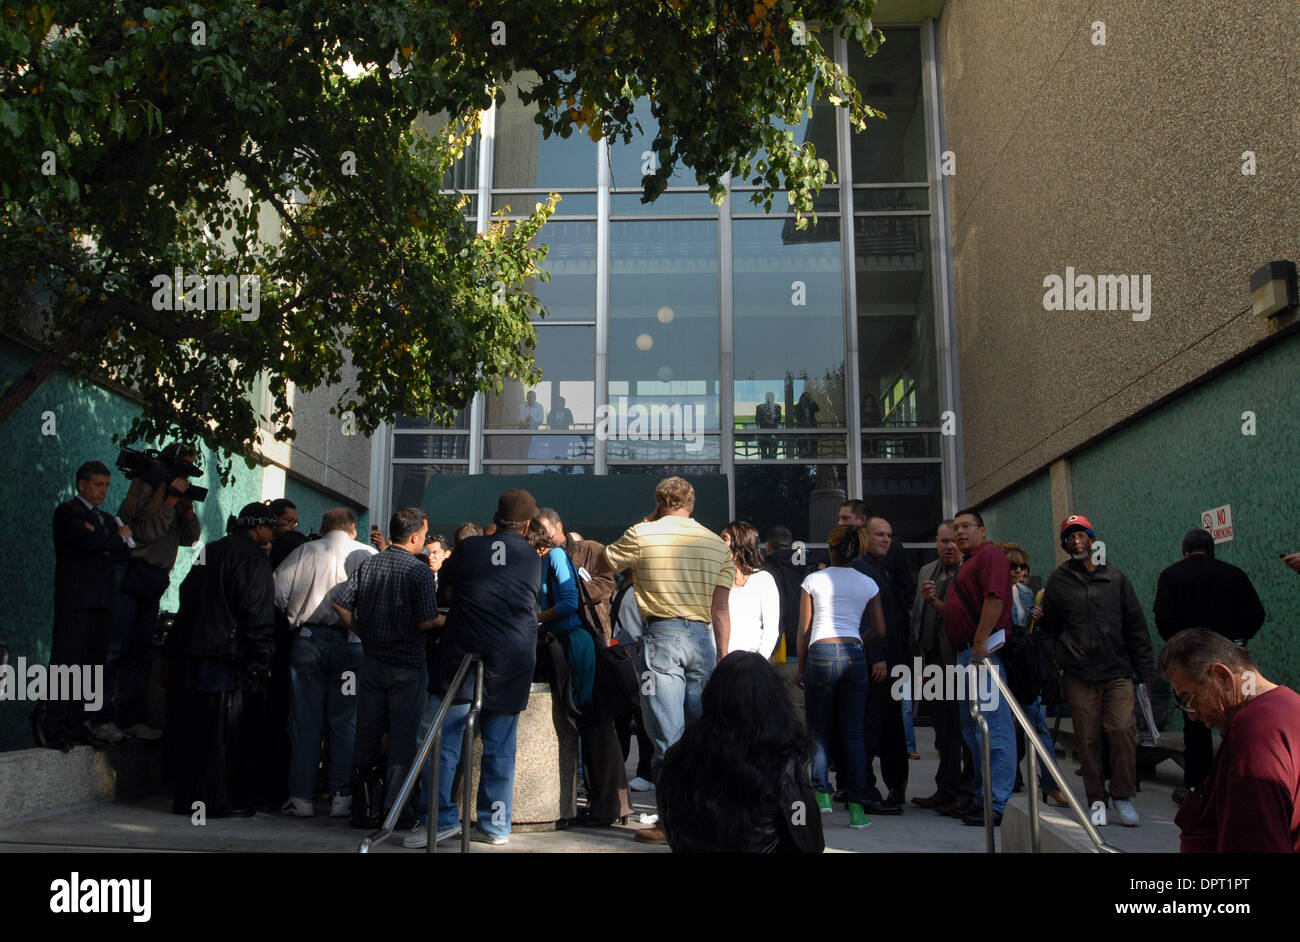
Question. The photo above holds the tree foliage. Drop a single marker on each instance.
(218, 138)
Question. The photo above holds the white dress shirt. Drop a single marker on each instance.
(305, 581)
(755, 610)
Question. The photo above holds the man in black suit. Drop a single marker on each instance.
(87, 544)
(1200, 591)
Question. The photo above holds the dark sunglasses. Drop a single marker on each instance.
(1024, 566)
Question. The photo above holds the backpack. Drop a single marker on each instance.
(618, 685)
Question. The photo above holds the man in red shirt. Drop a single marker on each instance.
(976, 607)
(1250, 802)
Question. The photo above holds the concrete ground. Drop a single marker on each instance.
(148, 825)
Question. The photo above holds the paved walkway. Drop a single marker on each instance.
(147, 825)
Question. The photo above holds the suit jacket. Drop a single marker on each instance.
(84, 557)
(928, 636)
(895, 648)
(585, 554)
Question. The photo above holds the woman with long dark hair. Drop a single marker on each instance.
(755, 601)
(736, 780)
(831, 609)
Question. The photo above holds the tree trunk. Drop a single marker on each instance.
(50, 359)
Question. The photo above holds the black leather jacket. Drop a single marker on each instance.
(227, 606)
(1093, 627)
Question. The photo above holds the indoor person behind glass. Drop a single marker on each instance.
(831, 657)
(736, 782)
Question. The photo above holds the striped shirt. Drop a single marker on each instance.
(676, 563)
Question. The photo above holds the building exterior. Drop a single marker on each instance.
(781, 370)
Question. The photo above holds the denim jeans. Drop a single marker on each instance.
(496, 785)
(909, 730)
(391, 699)
(1002, 736)
(130, 648)
(835, 684)
(321, 694)
(1037, 712)
(679, 657)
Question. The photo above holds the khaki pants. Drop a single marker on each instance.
(1106, 705)
(786, 672)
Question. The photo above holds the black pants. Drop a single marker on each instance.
(80, 638)
(607, 792)
(644, 747)
(956, 771)
(884, 737)
(206, 731)
(1198, 750)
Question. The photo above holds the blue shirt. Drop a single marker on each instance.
(390, 594)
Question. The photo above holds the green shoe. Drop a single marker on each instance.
(857, 817)
(823, 802)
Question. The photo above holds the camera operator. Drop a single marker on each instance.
(161, 519)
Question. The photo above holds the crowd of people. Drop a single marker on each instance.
(297, 665)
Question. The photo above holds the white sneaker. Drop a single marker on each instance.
(484, 838)
(298, 808)
(1098, 814)
(1128, 815)
(341, 806)
(419, 837)
(448, 833)
(650, 819)
(142, 731)
(107, 732)
(639, 784)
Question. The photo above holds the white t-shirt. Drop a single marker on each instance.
(755, 611)
(839, 595)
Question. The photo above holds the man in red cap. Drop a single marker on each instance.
(1094, 630)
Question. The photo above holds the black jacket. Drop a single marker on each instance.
(789, 577)
(1094, 627)
(895, 649)
(1203, 592)
(228, 606)
(86, 546)
(494, 581)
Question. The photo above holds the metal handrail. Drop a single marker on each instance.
(433, 745)
(1032, 740)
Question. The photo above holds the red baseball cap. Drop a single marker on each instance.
(1077, 520)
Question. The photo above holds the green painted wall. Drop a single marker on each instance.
(37, 473)
(1025, 517)
(1145, 485)
(312, 505)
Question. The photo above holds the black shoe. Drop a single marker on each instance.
(961, 810)
(897, 798)
(933, 801)
(585, 819)
(976, 819)
(883, 807)
(1178, 795)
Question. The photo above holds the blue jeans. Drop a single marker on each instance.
(1038, 713)
(320, 693)
(1002, 737)
(496, 785)
(679, 657)
(835, 684)
(391, 699)
(909, 730)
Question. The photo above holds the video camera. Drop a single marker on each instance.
(159, 469)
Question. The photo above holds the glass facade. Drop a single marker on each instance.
(804, 365)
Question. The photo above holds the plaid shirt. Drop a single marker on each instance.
(389, 595)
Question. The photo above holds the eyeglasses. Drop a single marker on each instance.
(1024, 566)
(286, 524)
(1184, 702)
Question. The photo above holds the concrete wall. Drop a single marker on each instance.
(1117, 159)
(36, 474)
(1145, 485)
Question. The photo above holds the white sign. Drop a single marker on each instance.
(1219, 522)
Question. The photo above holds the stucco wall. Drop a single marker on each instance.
(1117, 159)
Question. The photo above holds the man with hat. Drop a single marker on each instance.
(494, 581)
(1094, 631)
(222, 645)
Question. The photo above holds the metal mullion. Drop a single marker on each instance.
(852, 383)
(487, 159)
(950, 446)
(726, 349)
(602, 298)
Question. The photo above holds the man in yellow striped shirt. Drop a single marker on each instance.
(682, 575)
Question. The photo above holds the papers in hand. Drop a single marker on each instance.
(996, 640)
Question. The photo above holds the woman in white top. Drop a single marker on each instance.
(754, 602)
(833, 606)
